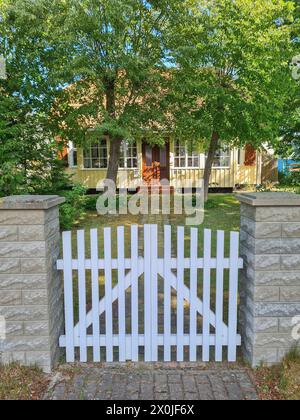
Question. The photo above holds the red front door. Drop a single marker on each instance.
(156, 163)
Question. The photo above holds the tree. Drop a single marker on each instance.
(234, 72)
(29, 156)
(213, 71)
(105, 62)
(10, 129)
(288, 144)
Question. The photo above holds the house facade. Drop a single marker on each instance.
(141, 163)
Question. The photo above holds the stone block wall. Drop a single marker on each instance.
(31, 289)
(270, 284)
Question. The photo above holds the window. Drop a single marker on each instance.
(95, 157)
(193, 160)
(180, 155)
(129, 157)
(222, 158)
(184, 159)
(72, 156)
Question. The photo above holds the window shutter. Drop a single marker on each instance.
(250, 155)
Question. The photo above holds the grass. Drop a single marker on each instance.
(21, 383)
(282, 381)
(222, 212)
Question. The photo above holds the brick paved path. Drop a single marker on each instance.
(152, 382)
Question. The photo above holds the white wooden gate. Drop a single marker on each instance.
(134, 340)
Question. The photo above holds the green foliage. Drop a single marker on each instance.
(291, 179)
(90, 202)
(128, 68)
(11, 180)
(110, 51)
(97, 65)
(29, 159)
(74, 207)
(29, 156)
(288, 145)
(235, 77)
(10, 130)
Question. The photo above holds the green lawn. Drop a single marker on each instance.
(222, 212)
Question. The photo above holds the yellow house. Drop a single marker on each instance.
(143, 162)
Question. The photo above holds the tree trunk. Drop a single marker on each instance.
(115, 142)
(209, 162)
(114, 159)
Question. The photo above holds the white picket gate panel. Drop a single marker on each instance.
(216, 333)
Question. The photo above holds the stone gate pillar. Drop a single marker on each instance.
(270, 286)
(31, 290)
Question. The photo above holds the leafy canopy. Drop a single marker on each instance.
(98, 64)
(123, 67)
(234, 69)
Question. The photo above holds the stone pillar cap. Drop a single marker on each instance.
(270, 199)
(30, 202)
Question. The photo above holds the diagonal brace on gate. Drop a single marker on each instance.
(151, 266)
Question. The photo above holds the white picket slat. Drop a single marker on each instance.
(95, 294)
(167, 293)
(147, 292)
(219, 296)
(206, 295)
(68, 296)
(233, 296)
(180, 298)
(108, 294)
(193, 293)
(152, 266)
(134, 294)
(82, 294)
(122, 290)
(154, 293)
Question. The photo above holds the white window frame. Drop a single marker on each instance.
(90, 157)
(71, 152)
(222, 167)
(228, 156)
(127, 147)
(186, 157)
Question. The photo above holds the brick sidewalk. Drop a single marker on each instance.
(153, 382)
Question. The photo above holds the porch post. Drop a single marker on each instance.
(270, 288)
(31, 305)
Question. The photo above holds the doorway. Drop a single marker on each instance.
(156, 163)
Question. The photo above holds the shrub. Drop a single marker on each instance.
(291, 179)
(74, 207)
(90, 202)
